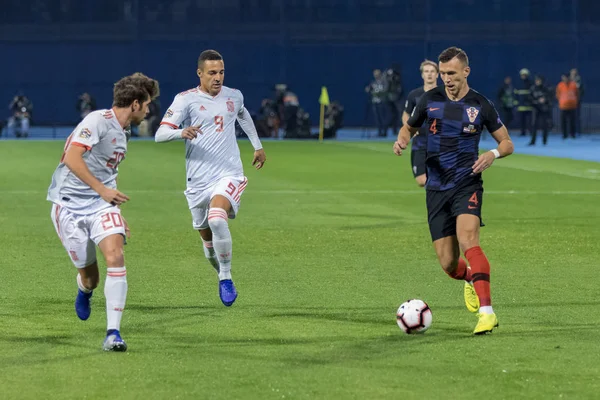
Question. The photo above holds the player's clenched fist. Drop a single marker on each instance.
(399, 145)
(191, 132)
(113, 196)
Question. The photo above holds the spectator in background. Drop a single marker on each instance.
(541, 99)
(153, 117)
(524, 107)
(291, 107)
(20, 110)
(507, 101)
(394, 98)
(151, 122)
(575, 77)
(267, 123)
(378, 90)
(334, 119)
(85, 105)
(567, 95)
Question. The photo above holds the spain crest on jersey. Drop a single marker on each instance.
(169, 113)
(230, 106)
(472, 113)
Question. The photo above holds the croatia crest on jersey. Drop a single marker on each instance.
(472, 113)
(230, 106)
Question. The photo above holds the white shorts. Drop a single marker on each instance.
(81, 233)
(199, 201)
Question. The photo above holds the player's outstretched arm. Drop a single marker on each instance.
(247, 125)
(504, 149)
(405, 117)
(74, 161)
(406, 132)
(505, 144)
(166, 133)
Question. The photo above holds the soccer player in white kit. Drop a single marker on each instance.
(205, 118)
(85, 209)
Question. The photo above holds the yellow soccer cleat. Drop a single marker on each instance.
(471, 299)
(487, 322)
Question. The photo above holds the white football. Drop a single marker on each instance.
(414, 316)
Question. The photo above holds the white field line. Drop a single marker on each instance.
(332, 192)
(498, 164)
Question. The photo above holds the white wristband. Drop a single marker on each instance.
(495, 152)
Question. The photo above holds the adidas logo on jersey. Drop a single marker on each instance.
(114, 141)
(202, 108)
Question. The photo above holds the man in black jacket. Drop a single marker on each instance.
(507, 101)
(540, 98)
(524, 107)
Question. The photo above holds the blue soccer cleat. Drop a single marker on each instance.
(113, 341)
(83, 304)
(227, 292)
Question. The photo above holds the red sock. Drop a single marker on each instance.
(462, 271)
(481, 274)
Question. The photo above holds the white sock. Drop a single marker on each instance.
(209, 253)
(217, 220)
(486, 310)
(80, 285)
(115, 291)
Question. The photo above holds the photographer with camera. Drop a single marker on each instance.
(333, 119)
(20, 109)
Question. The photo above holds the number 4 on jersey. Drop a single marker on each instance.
(433, 127)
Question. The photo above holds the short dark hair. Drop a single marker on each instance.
(452, 52)
(134, 87)
(208, 55)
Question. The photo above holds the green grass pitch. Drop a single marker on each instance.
(330, 239)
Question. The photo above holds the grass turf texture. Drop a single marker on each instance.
(330, 239)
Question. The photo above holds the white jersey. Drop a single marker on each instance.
(105, 142)
(214, 153)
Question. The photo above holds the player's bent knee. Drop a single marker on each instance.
(114, 258)
(217, 221)
(91, 283)
(449, 264)
(468, 239)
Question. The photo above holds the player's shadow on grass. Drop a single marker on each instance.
(332, 316)
(331, 349)
(352, 215)
(390, 221)
(56, 340)
(147, 308)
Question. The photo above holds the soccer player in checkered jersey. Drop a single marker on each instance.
(456, 116)
(205, 118)
(429, 73)
(86, 203)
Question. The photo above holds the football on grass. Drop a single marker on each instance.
(414, 316)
